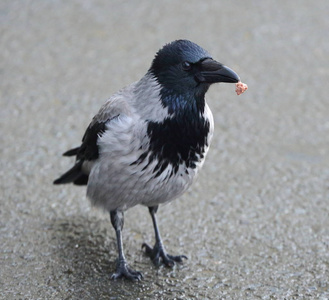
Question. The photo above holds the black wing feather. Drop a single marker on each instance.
(87, 151)
(71, 152)
(89, 148)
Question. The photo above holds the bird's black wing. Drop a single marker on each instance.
(89, 148)
(88, 151)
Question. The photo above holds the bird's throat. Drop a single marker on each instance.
(187, 104)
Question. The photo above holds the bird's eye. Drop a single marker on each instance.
(186, 66)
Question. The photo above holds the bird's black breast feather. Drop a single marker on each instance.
(176, 141)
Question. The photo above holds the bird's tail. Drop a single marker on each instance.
(75, 174)
(71, 175)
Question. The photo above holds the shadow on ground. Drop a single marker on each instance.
(85, 257)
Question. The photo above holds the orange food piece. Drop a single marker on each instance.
(240, 88)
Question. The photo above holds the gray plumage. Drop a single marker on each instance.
(148, 141)
(114, 183)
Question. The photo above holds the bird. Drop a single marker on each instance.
(148, 142)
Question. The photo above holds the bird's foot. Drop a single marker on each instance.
(123, 270)
(158, 255)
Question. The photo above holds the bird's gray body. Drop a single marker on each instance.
(148, 142)
(115, 182)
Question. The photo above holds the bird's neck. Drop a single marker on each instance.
(186, 103)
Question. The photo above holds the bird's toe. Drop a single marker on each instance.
(159, 256)
(148, 249)
(123, 270)
(177, 258)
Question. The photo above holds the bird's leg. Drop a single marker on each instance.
(123, 270)
(158, 253)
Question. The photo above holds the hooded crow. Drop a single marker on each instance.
(148, 142)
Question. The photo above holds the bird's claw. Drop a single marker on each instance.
(123, 270)
(158, 255)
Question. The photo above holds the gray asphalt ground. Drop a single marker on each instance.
(256, 223)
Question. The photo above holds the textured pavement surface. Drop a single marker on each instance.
(256, 223)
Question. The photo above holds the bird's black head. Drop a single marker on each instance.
(185, 71)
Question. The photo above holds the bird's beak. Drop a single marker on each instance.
(213, 71)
